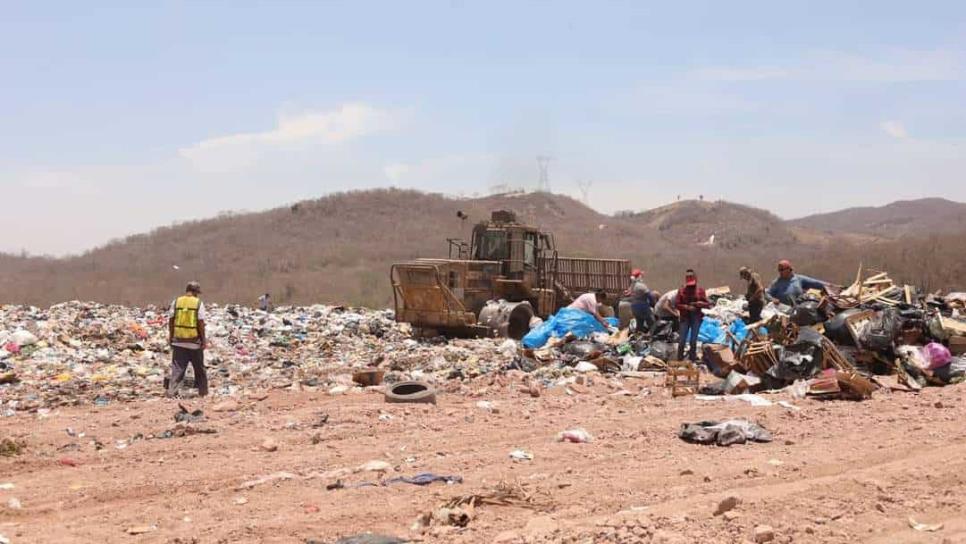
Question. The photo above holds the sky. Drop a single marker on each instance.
(121, 117)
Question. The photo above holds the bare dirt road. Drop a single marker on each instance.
(836, 471)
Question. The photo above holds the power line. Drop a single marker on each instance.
(543, 163)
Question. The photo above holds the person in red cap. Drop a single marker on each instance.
(691, 299)
(639, 296)
(788, 286)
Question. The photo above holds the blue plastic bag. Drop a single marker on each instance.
(711, 332)
(539, 335)
(566, 320)
(738, 330)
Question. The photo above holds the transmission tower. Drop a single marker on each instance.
(584, 187)
(543, 183)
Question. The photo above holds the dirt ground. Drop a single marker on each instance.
(837, 471)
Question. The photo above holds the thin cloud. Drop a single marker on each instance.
(895, 129)
(235, 151)
(732, 73)
(898, 65)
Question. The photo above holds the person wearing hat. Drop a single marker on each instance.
(755, 295)
(186, 334)
(788, 286)
(640, 299)
(691, 299)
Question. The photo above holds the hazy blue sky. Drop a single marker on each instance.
(119, 117)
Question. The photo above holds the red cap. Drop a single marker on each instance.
(784, 263)
(636, 272)
(691, 281)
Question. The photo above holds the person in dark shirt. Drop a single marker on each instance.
(691, 300)
(755, 294)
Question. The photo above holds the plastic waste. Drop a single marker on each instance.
(711, 332)
(22, 338)
(936, 355)
(583, 367)
(724, 433)
(521, 455)
(566, 320)
(631, 363)
(577, 436)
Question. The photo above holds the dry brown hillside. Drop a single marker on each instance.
(338, 249)
(923, 217)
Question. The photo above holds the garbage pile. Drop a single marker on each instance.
(832, 343)
(829, 344)
(82, 352)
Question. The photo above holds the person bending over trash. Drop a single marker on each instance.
(691, 299)
(666, 310)
(639, 296)
(788, 286)
(186, 334)
(588, 302)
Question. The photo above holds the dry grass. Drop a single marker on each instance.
(338, 249)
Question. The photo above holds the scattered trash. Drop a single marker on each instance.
(460, 510)
(14, 503)
(578, 436)
(724, 433)
(182, 430)
(924, 526)
(425, 478)
(754, 400)
(521, 455)
(412, 392)
(141, 529)
(186, 416)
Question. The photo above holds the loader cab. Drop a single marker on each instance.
(516, 246)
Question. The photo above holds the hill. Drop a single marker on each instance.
(903, 218)
(338, 249)
(733, 226)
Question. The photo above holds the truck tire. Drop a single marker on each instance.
(411, 392)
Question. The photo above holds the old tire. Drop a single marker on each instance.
(411, 392)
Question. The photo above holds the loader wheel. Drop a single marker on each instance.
(411, 392)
